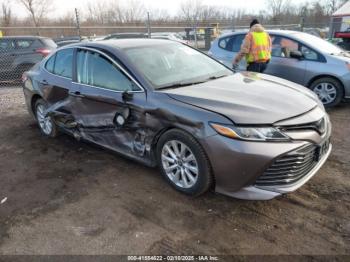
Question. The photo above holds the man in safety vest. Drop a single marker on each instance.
(256, 48)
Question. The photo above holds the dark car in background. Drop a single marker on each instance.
(68, 40)
(169, 36)
(19, 53)
(164, 103)
(125, 36)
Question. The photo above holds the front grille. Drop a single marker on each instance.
(318, 126)
(290, 167)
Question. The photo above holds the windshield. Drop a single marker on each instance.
(175, 64)
(320, 44)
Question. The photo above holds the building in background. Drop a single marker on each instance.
(340, 22)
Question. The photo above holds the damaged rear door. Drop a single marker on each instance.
(55, 83)
(109, 105)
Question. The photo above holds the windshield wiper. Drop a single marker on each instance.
(182, 84)
(216, 77)
(176, 85)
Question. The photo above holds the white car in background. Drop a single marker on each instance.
(169, 36)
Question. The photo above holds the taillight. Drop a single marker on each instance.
(43, 51)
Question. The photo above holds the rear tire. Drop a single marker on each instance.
(329, 90)
(46, 124)
(184, 163)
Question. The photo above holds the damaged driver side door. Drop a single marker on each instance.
(108, 104)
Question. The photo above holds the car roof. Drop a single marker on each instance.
(279, 32)
(24, 37)
(126, 43)
(164, 33)
(122, 34)
(285, 32)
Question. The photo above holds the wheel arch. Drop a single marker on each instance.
(168, 128)
(315, 78)
(155, 141)
(34, 99)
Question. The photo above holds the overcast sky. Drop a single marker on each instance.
(61, 7)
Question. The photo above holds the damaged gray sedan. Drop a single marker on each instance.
(162, 103)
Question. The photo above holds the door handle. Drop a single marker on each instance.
(76, 94)
(43, 82)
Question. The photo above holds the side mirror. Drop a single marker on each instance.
(127, 96)
(296, 54)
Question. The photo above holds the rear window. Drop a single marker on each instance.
(24, 43)
(64, 63)
(50, 63)
(61, 63)
(49, 42)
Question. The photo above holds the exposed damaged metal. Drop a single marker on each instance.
(125, 127)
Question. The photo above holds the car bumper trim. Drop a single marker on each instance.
(267, 193)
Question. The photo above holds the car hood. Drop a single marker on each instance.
(248, 98)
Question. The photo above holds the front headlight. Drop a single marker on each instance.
(250, 133)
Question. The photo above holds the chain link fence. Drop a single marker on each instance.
(19, 54)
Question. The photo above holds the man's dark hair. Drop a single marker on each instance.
(254, 22)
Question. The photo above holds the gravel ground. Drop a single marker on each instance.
(61, 196)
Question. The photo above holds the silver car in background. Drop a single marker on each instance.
(169, 36)
(299, 57)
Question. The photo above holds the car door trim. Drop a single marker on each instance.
(105, 55)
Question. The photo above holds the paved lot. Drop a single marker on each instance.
(66, 197)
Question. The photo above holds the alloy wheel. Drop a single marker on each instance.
(44, 121)
(180, 164)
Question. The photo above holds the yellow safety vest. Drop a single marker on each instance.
(260, 48)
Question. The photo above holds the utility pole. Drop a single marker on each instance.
(78, 23)
(302, 19)
(148, 25)
(195, 36)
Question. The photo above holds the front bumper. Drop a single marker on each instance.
(346, 83)
(240, 167)
(267, 193)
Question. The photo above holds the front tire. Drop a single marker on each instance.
(46, 124)
(329, 90)
(183, 163)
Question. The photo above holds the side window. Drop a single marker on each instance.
(223, 42)
(232, 43)
(95, 70)
(282, 46)
(237, 43)
(6, 44)
(22, 44)
(50, 64)
(64, 63)
(309, 54)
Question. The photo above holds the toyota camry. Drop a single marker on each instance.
(165, 104)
